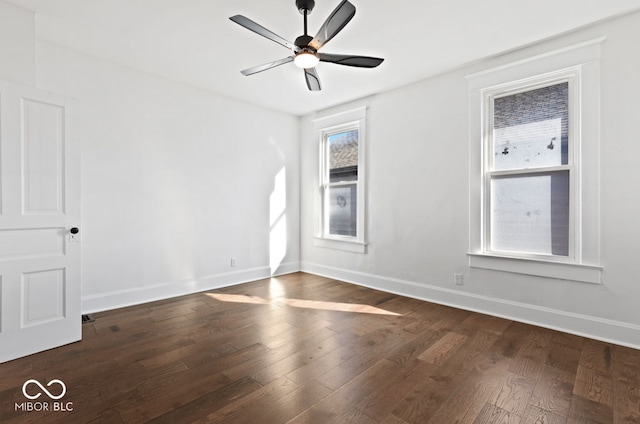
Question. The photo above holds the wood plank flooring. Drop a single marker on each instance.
(306, 349)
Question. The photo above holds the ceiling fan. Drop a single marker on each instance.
(305, 48)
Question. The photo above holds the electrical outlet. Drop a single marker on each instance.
(457, 279)
(234, 261)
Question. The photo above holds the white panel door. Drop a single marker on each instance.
(39, 223)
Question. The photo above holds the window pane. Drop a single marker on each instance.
(341, 210)
(343, 156)
(531, 129)
(530, 214)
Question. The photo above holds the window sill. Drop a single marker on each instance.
(559, 270)
(341, 244)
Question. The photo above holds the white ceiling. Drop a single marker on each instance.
(194, 42)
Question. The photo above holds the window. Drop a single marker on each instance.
(341, 181)
(534, 176)
(529, 161)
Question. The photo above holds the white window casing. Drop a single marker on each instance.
(492, 175)
(577, 65)
(325, 128)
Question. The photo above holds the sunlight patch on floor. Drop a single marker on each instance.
(238, 298)
(337, 306)
(301, 303)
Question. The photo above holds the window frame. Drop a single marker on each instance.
(525, 71)
(326, 127)
(489, 95)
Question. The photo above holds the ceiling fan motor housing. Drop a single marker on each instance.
(305, 6)
(303, 41)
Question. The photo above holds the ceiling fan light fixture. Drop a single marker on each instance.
(304, 51)
(306, 60)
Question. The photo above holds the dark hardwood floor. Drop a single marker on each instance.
(307, 349)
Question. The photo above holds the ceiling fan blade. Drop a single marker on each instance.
(266, 66)
(350, 60)
(312, 78)
(260, 30)
(334, 24)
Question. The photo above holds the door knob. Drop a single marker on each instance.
(74, 230)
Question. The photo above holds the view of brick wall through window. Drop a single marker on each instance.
(530, 211)
(542, 104)
(343, 167)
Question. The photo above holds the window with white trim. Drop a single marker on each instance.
(530, 164)
(534, 180)
(341, 181)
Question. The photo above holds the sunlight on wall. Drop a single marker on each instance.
(278, 221)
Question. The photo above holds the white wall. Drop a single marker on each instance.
(17, 44)
(175, 182)
(418, 200)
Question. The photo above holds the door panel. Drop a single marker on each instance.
(28, 243)
(39, 203)
(43, 150)
(42, 297)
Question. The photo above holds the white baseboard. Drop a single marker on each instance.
(606, 330)
(139, 295)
